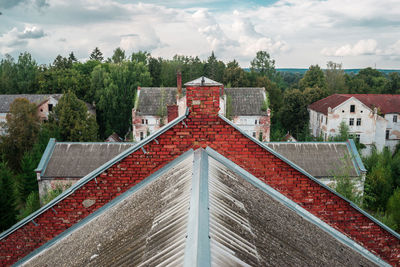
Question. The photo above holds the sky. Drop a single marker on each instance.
(296, 33)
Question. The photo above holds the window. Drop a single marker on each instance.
(260, 136)
(142, 121)
(141, 135)
(255, 122)
(357, 138)
(394, 118)
(147, 122)
(254, 134)
(50, 107)
(352, 108)
(387, 134)
(358, 122)
(351, 121)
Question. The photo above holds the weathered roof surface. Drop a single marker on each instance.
(151, 99)
(246, 101)
(384, 102)
(324, 159)
(203, 81)
(75, 160)
(6, 100)
(201, 210)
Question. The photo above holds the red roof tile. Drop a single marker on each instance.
(385, 103)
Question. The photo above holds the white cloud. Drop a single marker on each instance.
(362, 47)
(14, 39)
(31, 33)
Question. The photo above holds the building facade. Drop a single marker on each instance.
(156, 107)
(373, 120)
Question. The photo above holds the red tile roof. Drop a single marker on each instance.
(385, 103)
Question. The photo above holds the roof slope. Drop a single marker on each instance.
(75, 160)
(6, 100)
(324, 159)
(159, 223)
(384, 102)
(150, 100)
(246, 101)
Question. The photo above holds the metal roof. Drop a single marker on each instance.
(203, 81)
(6, 100)
(246, 101)
(201, 210)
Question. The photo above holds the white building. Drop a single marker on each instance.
(373, 119)
(157, 106)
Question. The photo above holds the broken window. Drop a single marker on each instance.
(142, 121)
(351, 121)
(387, 134)
(357, 138)
(394, 118)
(260, 136)
(358, 121)
(352, 108)
(141, 135)
(50, 106)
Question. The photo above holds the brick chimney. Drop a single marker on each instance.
(172, 111)
(179, 83)
(202, 97)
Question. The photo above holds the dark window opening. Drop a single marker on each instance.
(352, 108)
(254, 134)
(50, 107)
(394, 118)
(358, 121)
(147, 122)
(255, 122)
(387, 134)
(142, 121)
(351, 121)
(141, 135)
(260, 136)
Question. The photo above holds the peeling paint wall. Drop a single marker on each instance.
(372, 128)
(254, 125)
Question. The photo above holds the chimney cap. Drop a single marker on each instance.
(203, 81)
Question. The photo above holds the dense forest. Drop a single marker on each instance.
(110, 85)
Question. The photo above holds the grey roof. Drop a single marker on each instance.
(150, 99)
(203, 81)
(75, 160)
(6, 100)
(246, 101)
(201, 210)
(325, 159)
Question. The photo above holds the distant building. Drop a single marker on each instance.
(325, 160)
(373, 119)
(45, 104)
(114, 137)
(157, 106)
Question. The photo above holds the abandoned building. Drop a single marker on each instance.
(155, 107)
(45, 104)
(325, 161)
(199, 191)
(65, 163)
(373, 119)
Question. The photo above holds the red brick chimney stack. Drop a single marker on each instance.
(179, 83)
(202, 97)
(172, 111)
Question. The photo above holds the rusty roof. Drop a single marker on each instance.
(384, 102)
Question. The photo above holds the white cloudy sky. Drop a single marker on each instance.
(297, 33)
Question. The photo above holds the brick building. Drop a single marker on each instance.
(220, 164)
(155, 107)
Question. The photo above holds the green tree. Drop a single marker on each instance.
(22, 129)
(7, 198)
(314, 77)
(335, 79)
(72, 58)
(264, 65)
(393, 85)
(8, 76)
(32, 204)
(118, 56)
(343, 133)
(73, 120)
(214, 69)
(313, 94)
(141, 56)
(26, 181)
(234, 75)
(393, 208)
(96, 55)
(27, 74)
(294, 115)
(114, 102)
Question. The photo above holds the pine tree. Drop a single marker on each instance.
(7, 198)
(96, 55)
